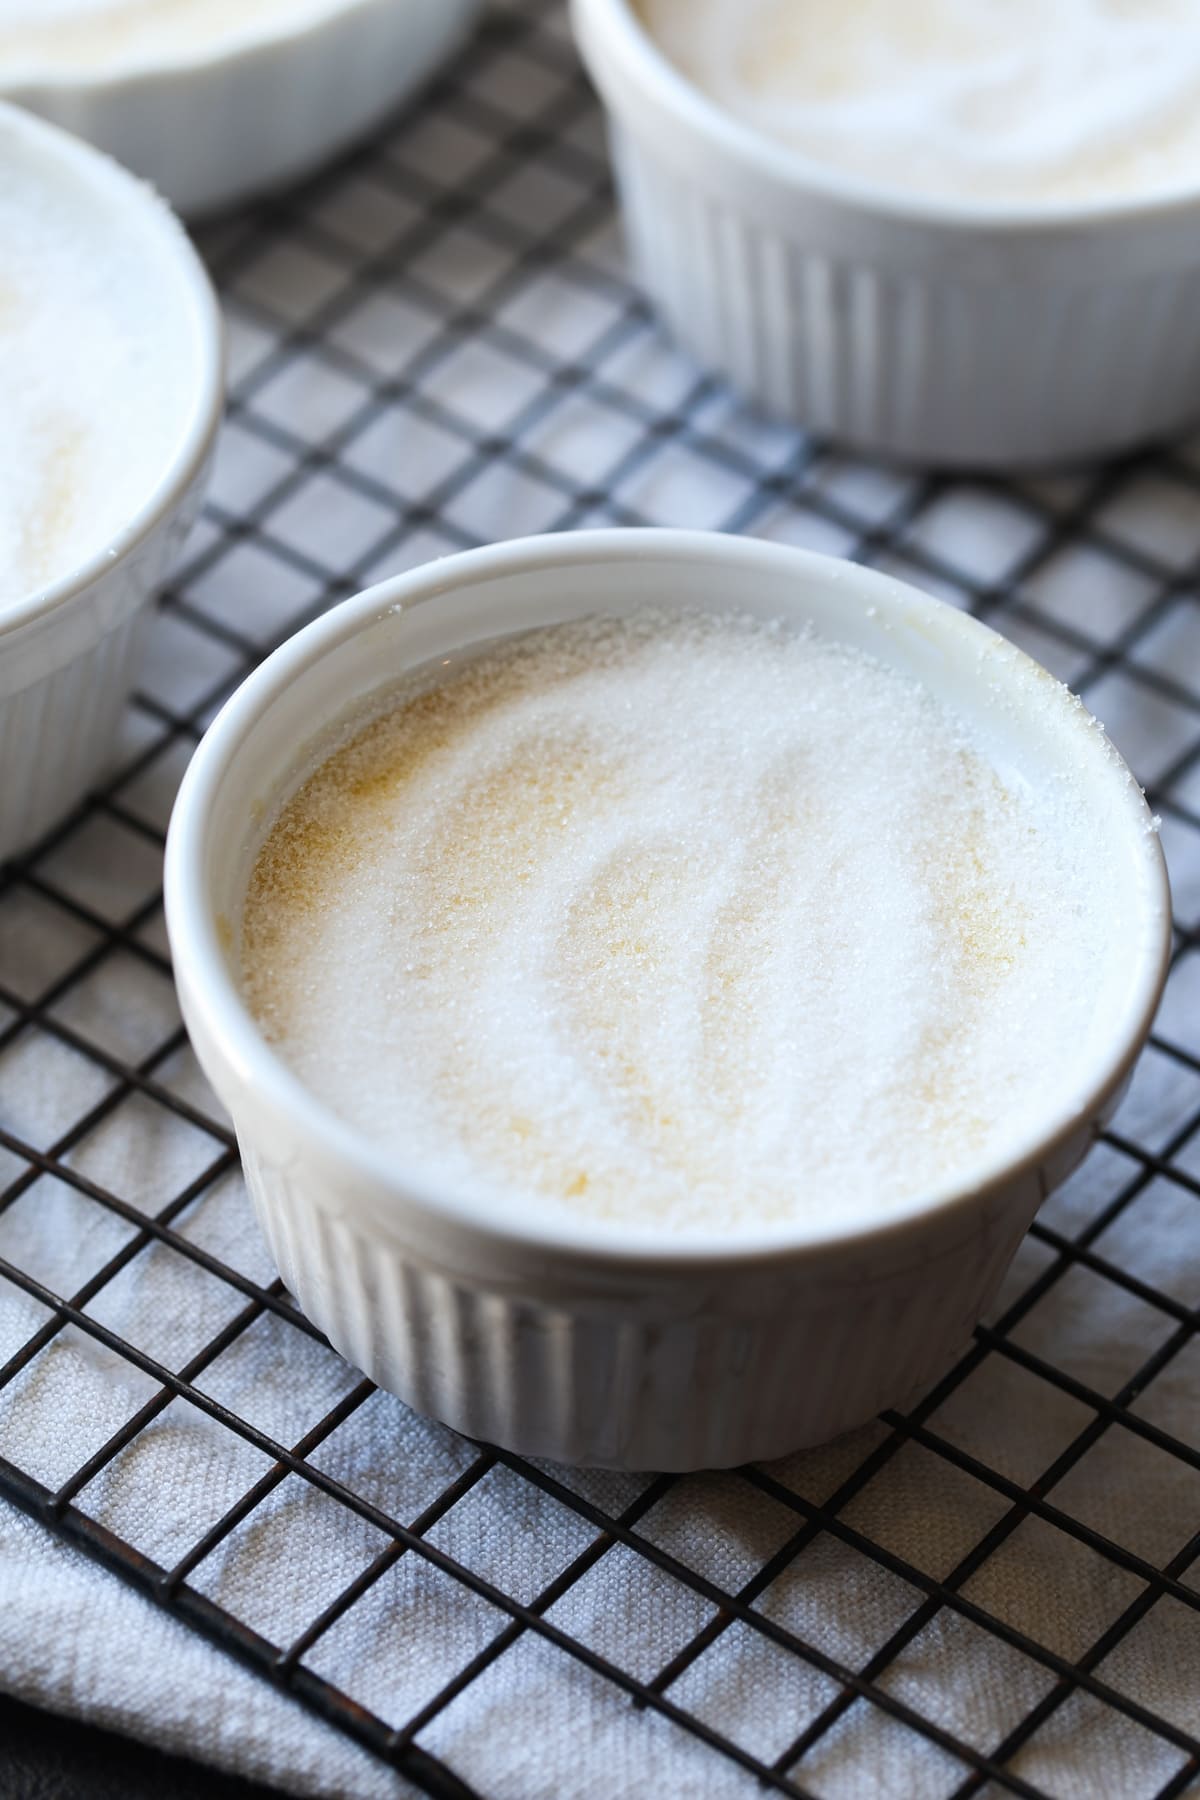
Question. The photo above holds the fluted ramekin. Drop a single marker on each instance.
(927, 330)
(268, 103)
(68, 651)
(580, 1340)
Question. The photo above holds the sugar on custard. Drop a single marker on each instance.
(681, 920)
(90, 375)
(1021, 101)
(71, 37)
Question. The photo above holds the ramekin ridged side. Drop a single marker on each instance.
(932, 333)
(584, 1340)
(717, 1375)
(60, 720)
(69, 653)
(57, 735)
(211, 131)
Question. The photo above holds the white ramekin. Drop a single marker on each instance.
(577, 1341)
(68, 652)
(268, 104)
(920, 329)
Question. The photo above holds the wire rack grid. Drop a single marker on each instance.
(993, 1592)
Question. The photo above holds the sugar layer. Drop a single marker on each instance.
(992, 100)
(101, 36)
(89, 390)
(688, 920)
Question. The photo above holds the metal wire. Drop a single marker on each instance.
(352, 294)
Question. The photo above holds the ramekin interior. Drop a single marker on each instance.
(649, 73)
(270, 734)
(196, 325)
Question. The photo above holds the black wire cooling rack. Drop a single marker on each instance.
(434, 344)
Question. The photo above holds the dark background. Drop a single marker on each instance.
(45, 1758)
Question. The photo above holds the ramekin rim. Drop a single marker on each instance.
(196, 936)
(79, 81)
(207, 398)
(764, 154)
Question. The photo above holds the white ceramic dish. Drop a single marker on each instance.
(574, 1341)
(272, 98)
(68, 652)
(926, 330)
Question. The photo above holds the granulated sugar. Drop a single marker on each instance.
(682, 920)
(88, 408)
(1026, 101)
(59, 36)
